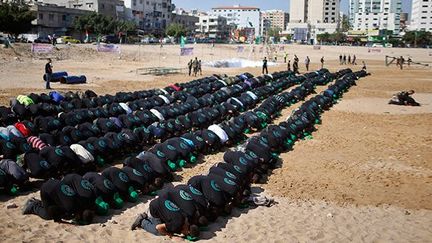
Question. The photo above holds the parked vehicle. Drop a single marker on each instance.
(110, 39)
(42, 39)
(67, 40)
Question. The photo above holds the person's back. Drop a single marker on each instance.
(48, 73)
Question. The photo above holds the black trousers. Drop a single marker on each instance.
(265, 69)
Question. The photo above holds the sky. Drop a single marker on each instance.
(262, 4)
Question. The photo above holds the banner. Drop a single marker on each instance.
(186, 51)
(240, 49)
(107, 48)
(41, 48)
(317, 47)
(376, 50)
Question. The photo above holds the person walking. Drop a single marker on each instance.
(296, 67)
(344, 60)
(190, 63)
(195, 66)
(307, 62)
(48, 73)
(285, 57)
(349, 59)
(322, 62)
(340, 59)
(199, 68)
(289, 65)
(354, 60)
(401, 62)
(264, 67)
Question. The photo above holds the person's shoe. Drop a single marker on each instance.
(28, 206)
(138, 221)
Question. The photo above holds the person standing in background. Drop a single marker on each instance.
(307, 62)
(48, 73)
(322, 62)
(264, 67)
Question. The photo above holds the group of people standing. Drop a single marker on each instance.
(306, 62)
(400, 61)
(295, 66)
(344, 60)
(195, 66)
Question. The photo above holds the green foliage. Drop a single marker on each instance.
(15, 17)
(419, 38)
(345, 23)
(175, 30)
(102, 25)
(274, 32)
(330, 38)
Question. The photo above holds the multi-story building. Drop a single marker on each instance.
(276, 18)
(113, 8)
(152, 16)
(186, 19)
(240, 16)
(53, 19)
(309, 18)
(366, 15)
(214, 27)
(421, 15)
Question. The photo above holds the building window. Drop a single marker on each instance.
(103, 6)
(40, 16)
(64, 17)
(50, 17)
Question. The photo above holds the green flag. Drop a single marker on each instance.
(182, 41)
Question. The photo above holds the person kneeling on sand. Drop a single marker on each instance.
(404, 98)
(58, 201)
(165, 218)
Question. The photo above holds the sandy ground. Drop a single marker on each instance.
(366, 176)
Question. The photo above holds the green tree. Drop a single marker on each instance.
(175, 30)
(325, 37)
(345, 23)
(100, 24)
(15, 18)
(418, 38)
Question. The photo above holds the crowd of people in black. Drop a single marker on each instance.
(65, 138)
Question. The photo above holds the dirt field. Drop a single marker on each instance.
(365, 176)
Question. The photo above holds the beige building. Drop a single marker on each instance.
(275, 18)
(309, 18)
(186, 19)
(113, 8)
(53, 19)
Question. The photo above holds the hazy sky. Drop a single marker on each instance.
(262, 4)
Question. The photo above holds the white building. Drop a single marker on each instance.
(241, 16)
(309, 18)
(152, 16)
(421, 15)
(368, 15)
(214, 27)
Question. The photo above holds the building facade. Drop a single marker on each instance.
(368, 15)
(185, 19)
(151, 16)
(214, 27)
(274, 19)
(309, 18)
(241, 16)
(53, 19)
(113, 8)
(421, 15)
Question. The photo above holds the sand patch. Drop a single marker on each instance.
(380, 105)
